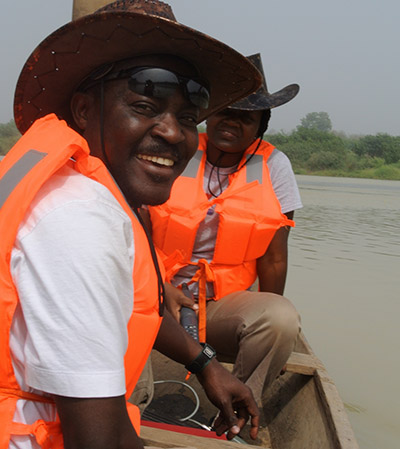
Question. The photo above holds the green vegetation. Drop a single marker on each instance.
(9, 134)
(316, 150)
(313, 148)
(317, 120)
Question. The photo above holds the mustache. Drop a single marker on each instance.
(162, 149)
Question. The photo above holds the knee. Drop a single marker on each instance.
(285, 320)
(279, 318)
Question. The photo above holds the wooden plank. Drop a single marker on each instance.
(336, 416)
(335, 411)
(303, 364)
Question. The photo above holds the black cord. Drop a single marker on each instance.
(218, 178)
(161, 289)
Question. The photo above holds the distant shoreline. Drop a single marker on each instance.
(384, 173)
(311, 152)
(328, 173)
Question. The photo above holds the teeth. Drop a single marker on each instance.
(157, 160)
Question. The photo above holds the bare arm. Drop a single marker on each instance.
(96, 423)
(272, 266)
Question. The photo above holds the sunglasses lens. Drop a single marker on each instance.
(161, 83)
(198, 94)
(155, 82)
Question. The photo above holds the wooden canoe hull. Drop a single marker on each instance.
(302, 408)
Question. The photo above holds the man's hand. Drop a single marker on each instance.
(175, 300)
(232, 397)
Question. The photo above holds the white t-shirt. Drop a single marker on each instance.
(285, 188)
(72, 263)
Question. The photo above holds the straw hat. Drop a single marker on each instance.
(262, 99)
(118, 31)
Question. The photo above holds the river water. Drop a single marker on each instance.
(344, 278)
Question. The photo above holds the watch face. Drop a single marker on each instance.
(209, 352)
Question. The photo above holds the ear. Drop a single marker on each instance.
(81, 105)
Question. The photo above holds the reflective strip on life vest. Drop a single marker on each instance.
(14, 175)
(254, 171)
(193, 165)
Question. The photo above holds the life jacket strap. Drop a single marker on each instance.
(9, 392)
(203, 275)
(46, 433)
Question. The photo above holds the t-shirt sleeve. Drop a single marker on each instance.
(73, 272)
(284, 182)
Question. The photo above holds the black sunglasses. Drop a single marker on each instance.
(160, 83)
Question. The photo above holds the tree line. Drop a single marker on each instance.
(9, 134)
(313, 148)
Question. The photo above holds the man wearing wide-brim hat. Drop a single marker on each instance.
(108, 106)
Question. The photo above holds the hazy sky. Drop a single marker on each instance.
(344, 53)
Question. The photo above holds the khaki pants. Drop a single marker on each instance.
(143, 393)
(255, 331)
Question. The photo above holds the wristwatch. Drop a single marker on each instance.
(202, 360)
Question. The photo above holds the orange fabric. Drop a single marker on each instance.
(56, 144)
(203, 275)
(249, 216)
(20, 394)
(48, 434)
(134, 415)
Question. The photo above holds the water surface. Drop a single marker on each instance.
(344, 278)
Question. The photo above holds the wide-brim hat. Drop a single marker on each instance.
(262, 99)
(118, 31)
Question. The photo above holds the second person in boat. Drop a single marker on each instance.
(226, 224)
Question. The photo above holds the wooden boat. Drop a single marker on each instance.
(302, 409)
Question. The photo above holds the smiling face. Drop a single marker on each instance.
(230, 132)
(147, 141)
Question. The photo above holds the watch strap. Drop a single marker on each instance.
(202, 360)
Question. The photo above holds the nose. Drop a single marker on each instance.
(169, 129)
(231, 120)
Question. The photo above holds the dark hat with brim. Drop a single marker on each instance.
(262, 99)
(122, 30)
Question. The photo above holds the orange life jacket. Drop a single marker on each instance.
(47, 146)
(249, 216)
